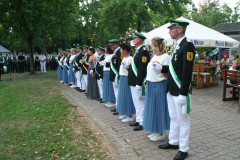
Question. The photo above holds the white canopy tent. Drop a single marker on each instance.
(199, 35)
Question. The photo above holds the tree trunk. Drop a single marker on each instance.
(30, 46)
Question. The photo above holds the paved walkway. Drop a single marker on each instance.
(215, 128)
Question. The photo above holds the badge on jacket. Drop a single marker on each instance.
(189, 56)
(144, 59)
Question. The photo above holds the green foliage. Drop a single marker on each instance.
(211, 13)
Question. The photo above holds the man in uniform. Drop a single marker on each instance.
(114, 68)
(136, 77)
(2, 61)
(99, 69)
(77, 67)
(85, 57)
(14, 64)
(179, 89)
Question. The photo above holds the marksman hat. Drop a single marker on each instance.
(139, 35)
(175, 22)
(113, 41)
(85, 46)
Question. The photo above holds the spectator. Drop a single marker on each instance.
(20, 63)
(201, 59)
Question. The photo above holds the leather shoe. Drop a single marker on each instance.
(113, 110)
(133, 124)
(101, 101)
(168, 146)
(181, 155)
(82, 90)
(138, 128)
(115, 113)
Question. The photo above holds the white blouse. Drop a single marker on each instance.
(71, 59)
(154, 75)
(124, 71)
(65, 61)
(108, 60)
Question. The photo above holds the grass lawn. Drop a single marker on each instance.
(37, 122)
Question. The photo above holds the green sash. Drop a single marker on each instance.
(178, 82)
(135, 71)
(115, 72)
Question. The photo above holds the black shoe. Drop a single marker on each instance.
(82, 90)
(181, 155)
(101, 101)
(115, 113)
(133, 124)
(77, 88)
(138, 128)
(113, 110)
(69, 84)
(168, 146)
(85, 93)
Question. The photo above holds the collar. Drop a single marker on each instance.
(139, 47)
(180, 40)
(116, 50)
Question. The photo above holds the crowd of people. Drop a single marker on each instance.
(20, 63)
(155, 88)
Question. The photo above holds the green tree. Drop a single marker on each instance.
(38, 19)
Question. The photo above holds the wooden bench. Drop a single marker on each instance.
(200, 77)
(231, 76)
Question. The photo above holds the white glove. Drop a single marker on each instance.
(138, 89)
(73, 69)
(125, 65)
(157, 66)
(103, 63)
(91, 72)
(81, 62)
(182, 100)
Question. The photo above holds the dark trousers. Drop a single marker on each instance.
(37, 65)
(20, 66)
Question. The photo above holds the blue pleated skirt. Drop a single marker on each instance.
(125, 104)
(60, 72)
(108, 93)
(65, 74)
(71, 75)
(156, 115)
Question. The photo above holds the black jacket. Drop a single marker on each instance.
(99, 68)
(116, 61)
(76, 62)
(182, 62)
(84, 65)
(141, 60)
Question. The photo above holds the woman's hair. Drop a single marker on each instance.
(158, 45)
(126, 47)
(92, 49)
(109, 50)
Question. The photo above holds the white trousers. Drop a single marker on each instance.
(100, 86)
(43, 66)
(179, 124)
(115, 89)
(84, 82)
(139, 105)
(78, 76)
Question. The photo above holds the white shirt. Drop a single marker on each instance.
(65, 61)
(154, 75)
(108, 60)
(61, 60)
(42, 57)
(177, 44)
(116, 50)
(72, 58)
(123, 71)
